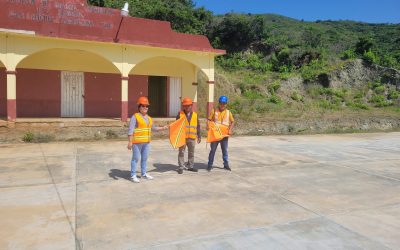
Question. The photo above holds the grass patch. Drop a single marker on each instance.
(28, 137)
(37, 138)
(110, 134)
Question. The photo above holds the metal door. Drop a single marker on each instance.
(175, 89)
(72, 94)
(157, 90)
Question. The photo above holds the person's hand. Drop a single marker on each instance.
(230, 132)
(129, 147)
(198, 140)
(165, 127)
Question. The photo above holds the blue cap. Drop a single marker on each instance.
(223, 99)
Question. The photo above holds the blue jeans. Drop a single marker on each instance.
(224, 148)
(142, 150)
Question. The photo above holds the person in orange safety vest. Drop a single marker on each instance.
(222, 118)
(192, 135)
(139, 137)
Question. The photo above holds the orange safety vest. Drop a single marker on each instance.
(214, 132)
(191, 128)
(142, 132)
(223, 122)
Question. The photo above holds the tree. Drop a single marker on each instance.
(236, 32)
(182, 14)
(363, 45)
(312, 37)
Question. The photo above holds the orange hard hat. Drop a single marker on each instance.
(187, 101)
(143, 101)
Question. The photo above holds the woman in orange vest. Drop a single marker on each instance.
(224, 119)
(139, 136)
(192, 135)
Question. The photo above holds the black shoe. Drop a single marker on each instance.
(227, 168)
(209, 168)
(193, 169)
(180, 171)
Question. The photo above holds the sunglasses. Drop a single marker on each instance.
(144, 106)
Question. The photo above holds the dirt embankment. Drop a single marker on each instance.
(334, 124)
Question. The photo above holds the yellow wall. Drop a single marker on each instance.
(164, 66)
(69, 60)
(16, 47)
(30, 51)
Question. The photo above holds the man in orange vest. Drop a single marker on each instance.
(139, 136)
(224, 119)
(192, 135)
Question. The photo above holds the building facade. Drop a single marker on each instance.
(67, 59)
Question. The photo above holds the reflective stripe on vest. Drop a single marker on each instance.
(223, 121)
(142, 132)
(191, 129)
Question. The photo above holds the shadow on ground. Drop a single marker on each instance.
(117, 174)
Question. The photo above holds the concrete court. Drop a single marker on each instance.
(285, 192)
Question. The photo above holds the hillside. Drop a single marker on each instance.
(327, 75)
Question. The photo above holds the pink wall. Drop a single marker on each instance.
(38, 93)
(3, 92)
(138, 86)
(102, 95)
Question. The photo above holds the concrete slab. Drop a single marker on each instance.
(382, 224)
(285, 192)
(37, 217)
(315, 233)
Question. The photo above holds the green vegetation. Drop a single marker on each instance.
(267, 53)
(28, 137)
(38, 138)
(111, 134)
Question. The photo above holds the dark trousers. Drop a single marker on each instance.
(224, 148)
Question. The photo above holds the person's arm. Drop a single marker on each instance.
(231, 123)
(210, 118)
(157, 128)
(132, 125)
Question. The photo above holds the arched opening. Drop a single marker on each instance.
(67, 83)
(3, 90)
(165, 80)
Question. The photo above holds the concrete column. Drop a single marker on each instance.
(195, 97)
(11, 95)
(210, 103)
(124, 98)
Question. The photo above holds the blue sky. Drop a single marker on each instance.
(371, 11)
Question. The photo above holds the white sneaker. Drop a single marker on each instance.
(135, 179)
(148, 177)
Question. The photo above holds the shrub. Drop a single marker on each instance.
(110, 134)
(379, 100)
(275, 99)
(296, 96)
(236, 107)
(393, 94)
(333, 93)
(252, 94)
(273, 87)
(28, 137)
(44, 138)
(311, 71)
(314, 91)
(379, 89)
(349, 54)
(359, 95)
(370, 57)
(358, 105)
(326, 104)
